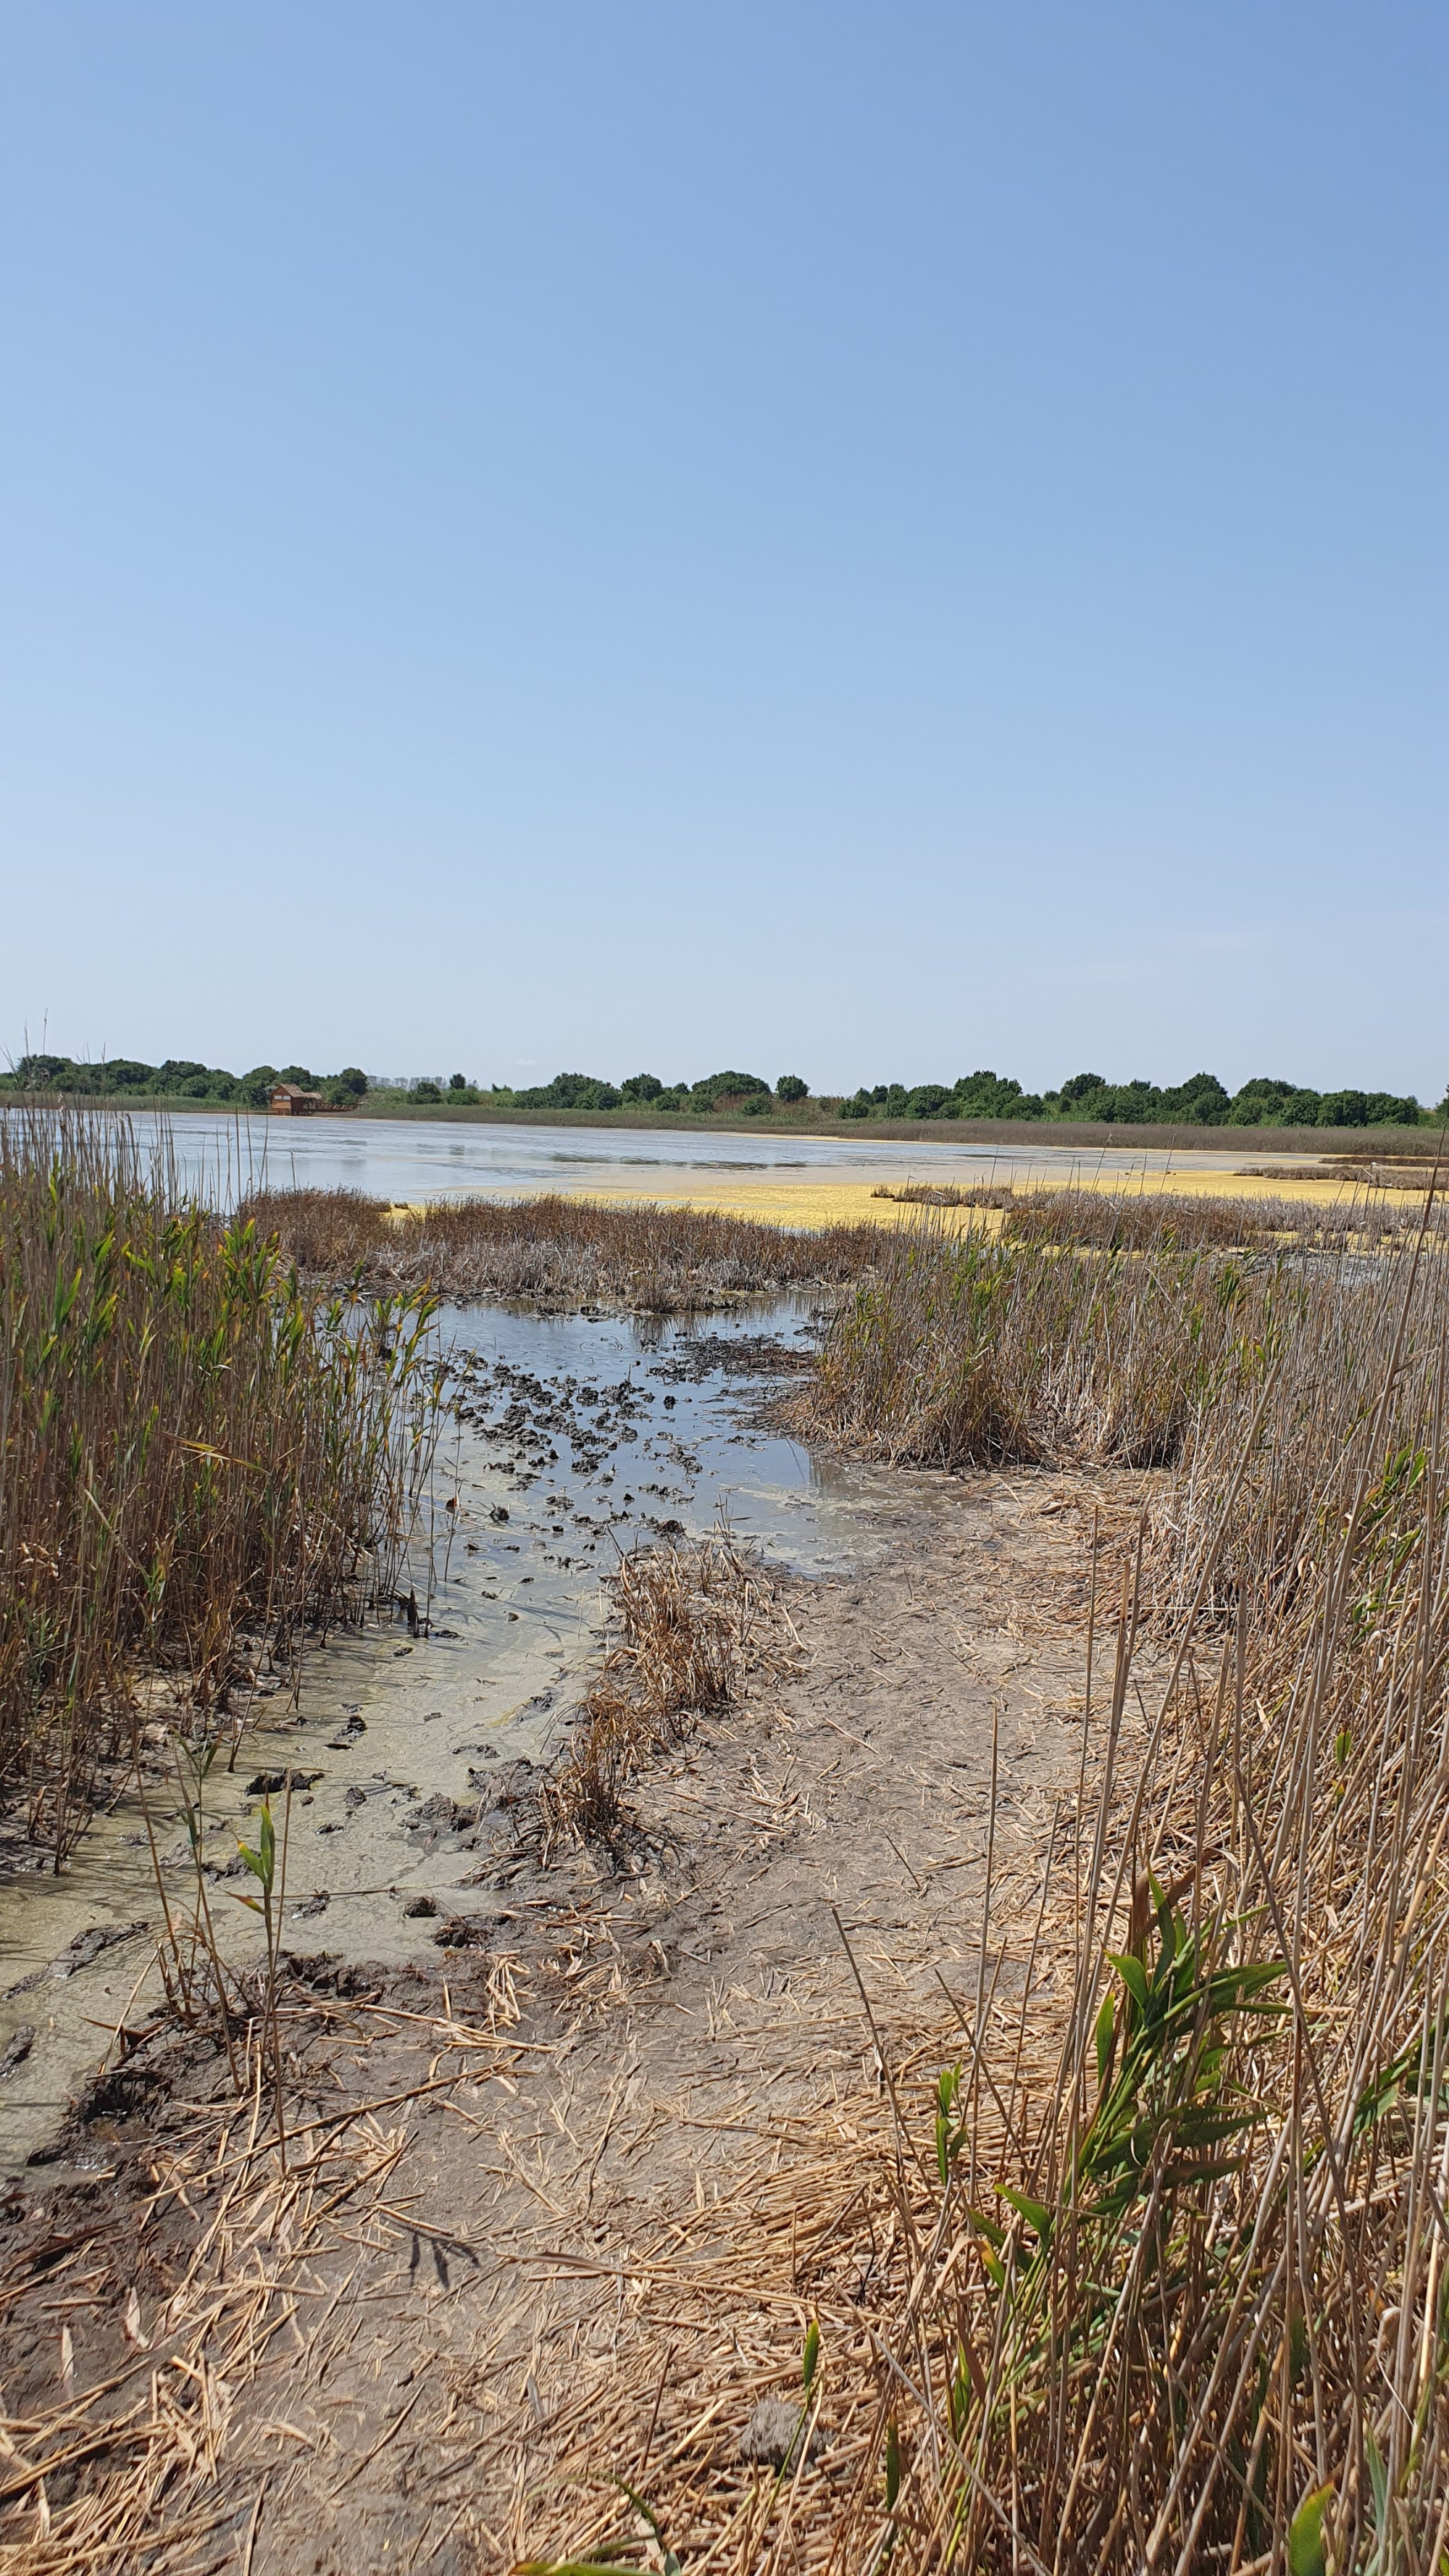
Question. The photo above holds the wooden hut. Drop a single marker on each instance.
(289, 1102)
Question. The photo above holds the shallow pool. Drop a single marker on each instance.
(571, 1438)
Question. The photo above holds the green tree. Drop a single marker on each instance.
(1260, 1102)
(1201, 1101)
(570, 1091)
(717, 1087)
(1344, 1109)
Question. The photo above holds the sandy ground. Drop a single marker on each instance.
(628, 2141)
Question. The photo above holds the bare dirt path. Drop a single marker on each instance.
(646, 2113)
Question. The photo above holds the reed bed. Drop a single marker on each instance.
(1168, 1221)
(555, 1251)
(1159, 1221)
(1197, 2315)
(959, 1352)
(192, 1447)
(1152, 2271)
(939, 1194)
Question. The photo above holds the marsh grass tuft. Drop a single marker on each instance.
(959, 1352)
(690, 1622)
(1168, 1222)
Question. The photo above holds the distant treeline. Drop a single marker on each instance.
(1202, 1101)
(179, 1079)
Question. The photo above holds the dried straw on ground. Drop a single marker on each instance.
(152, 2465)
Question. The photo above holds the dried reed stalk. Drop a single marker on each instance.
(142, 2469)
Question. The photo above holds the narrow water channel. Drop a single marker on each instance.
(570, 1438)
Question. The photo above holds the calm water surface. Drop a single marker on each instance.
(406, 1159)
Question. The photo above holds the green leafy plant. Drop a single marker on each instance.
(262, 1861)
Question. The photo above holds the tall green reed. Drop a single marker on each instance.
(192, 1445)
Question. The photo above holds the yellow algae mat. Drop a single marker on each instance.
(849, 1200)
(822, 1201)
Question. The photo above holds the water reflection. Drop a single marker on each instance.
(409, 1159)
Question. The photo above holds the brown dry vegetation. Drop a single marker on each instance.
(1198, 2309)
(143, 2467)
(1182, 2302)
(1162, 1222)
(555, 1251)
(960, 1353)
(1172, 1221)
(981, 1194)
(690, 1621)
(957, 1352)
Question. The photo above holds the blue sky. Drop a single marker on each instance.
(867, 540)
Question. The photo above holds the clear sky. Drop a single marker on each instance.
(868, 540)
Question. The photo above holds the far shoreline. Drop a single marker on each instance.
(1322, 1144)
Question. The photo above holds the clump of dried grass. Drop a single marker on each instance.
(1169, 1221)
(984, 1194)
(554, 1250)
(958, 1352)
(691, 1621)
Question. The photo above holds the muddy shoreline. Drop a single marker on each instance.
(569, 1439)
(595, 2082)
